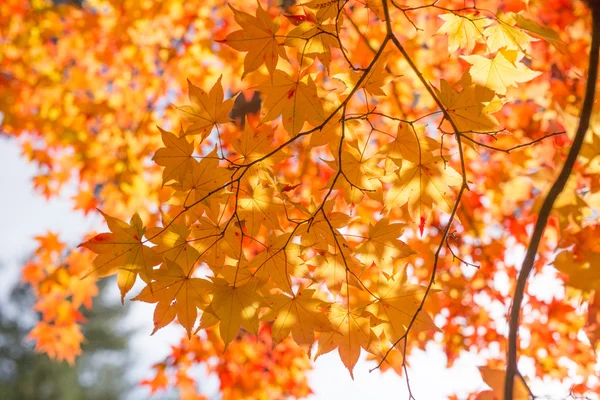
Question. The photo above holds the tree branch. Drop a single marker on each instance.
(464, 186)
(555, 190)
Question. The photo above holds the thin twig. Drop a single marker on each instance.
(519, 146)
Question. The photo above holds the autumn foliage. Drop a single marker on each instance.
(284, 181)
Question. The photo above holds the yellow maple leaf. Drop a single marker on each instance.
(582, 271)
(336, 268)
(122, 252)
(506, 34)
(176, 157)
(466, 108)
(206, 110)
(208, 238)
(258, 37)
(277, 262)
(328, 135)
(301, 315)
(314, 38)
(376, 78)
(547, 34)
(396, 306)
(325, 8)
(253, 144)
(318, 233)
(406, 144)
(171, 242)
(234, 307)
(360, 175)
(350, 333)
(409, 144)
(498, 73)
(423, 186)
(258, 206)
(203, 178)
(296, 100)
(177, 293)
(382, 244)
(463, 30)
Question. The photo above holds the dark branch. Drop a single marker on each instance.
(555, 191)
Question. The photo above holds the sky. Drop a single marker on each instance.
(27, 214)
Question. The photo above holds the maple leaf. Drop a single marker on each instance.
(278, 261)
(122, 252)
(409, 144)
(329, 134)
(177, 293)
(259, 206)
(500, 72)
(214, 242)
(376, 78)
(361, 175)
(50, 242)
(326, 9)
(336, 268)
(350, 333)
(547, 34)
(314, 38)
(59, 342)
(297, 101)
(382, 244)
(376, 6)
(495, 379)
(301, 315)
(253, 144)
(396, 305)
(406, 144)
(423, 186)
(467, 107)
(506, 34)
(176, 157)
(203, 178)
(463, 30)
(206, 110)
(160, 380)
(319, 233)
(258, 37)
(172, 242)
(85, 200)
(581, 269)
(234, 306)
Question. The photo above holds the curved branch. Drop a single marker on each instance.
(555, 190)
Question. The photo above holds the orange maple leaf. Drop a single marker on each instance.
(294, 98)
(258, 37)
(350, 333)
(177, 293)
(176, 157)
(122, 252)
(233, 306)
(206, 110)
(301, 315)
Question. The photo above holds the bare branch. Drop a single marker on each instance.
(555, 190)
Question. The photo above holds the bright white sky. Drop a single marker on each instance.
(27, 214)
